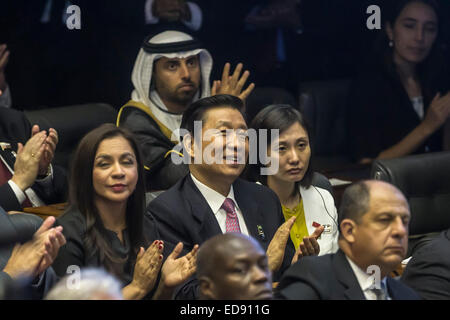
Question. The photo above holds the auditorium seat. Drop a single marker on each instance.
(425, 181)
(71, 123)
(261, 97)
(324, 105)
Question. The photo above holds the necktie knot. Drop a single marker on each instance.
(228, 206)
(231, 222)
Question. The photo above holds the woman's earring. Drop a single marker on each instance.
(391, 43)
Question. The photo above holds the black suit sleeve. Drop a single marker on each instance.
(8, 199)
(162, 173)
(297, 291)
(45, 283)
(303, 281)
(5, 283)
(428, 272)
(57, 192)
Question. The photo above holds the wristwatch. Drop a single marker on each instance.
(43, 176)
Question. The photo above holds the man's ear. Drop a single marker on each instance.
(348, 229)
(206, 287)
(188, 144)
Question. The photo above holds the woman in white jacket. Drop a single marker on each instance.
(315, 230)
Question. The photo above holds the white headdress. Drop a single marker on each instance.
(169, 44)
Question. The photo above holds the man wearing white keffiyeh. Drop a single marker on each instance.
(171, 71)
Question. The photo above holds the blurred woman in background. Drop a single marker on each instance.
(401, 101)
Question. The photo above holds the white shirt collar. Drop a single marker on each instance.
(365, 280)
(212, 197)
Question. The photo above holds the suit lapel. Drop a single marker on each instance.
(201, 212)
(346, 277)
(394, 289)
(249, 209)
(391, 288)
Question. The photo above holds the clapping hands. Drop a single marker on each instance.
(174, 271)
(35, 256)
(309, 246)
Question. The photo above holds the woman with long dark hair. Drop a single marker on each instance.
(400, 102)
(315, 229)
(105, 225)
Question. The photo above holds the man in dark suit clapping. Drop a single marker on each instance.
(27, 177)
(212, 199)
(373, 220)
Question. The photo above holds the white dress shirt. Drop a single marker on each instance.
(365, 281)
(215, 201)
(32, 196)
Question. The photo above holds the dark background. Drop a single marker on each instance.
(52, 66)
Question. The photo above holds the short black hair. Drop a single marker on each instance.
(281, 117)
(197, 110)
(214, 247)
(355, 202)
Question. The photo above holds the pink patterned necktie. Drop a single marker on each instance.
(231, 222)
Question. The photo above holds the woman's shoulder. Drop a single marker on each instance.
(317, 192)
(72, 221)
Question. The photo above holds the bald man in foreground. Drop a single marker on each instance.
(233, 266)
(373, 220)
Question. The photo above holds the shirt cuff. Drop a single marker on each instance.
(37, 281)
(5, 98)
(20, 195)
(46, 182)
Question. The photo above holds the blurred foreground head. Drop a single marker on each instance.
(232, 266)
(89, 284)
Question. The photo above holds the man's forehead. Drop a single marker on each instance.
(163, 58)
(387, 199)
(241, 251)
(223, 115)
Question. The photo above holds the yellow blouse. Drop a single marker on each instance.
(299, 229)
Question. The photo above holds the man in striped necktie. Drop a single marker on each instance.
(211, 199)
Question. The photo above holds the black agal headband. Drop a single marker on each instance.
(171, 46)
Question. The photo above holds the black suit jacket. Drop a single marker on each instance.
(161, 172)
(21, 227)
(15, 128)
(183, 214)
(428, 271)
(330, 277)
